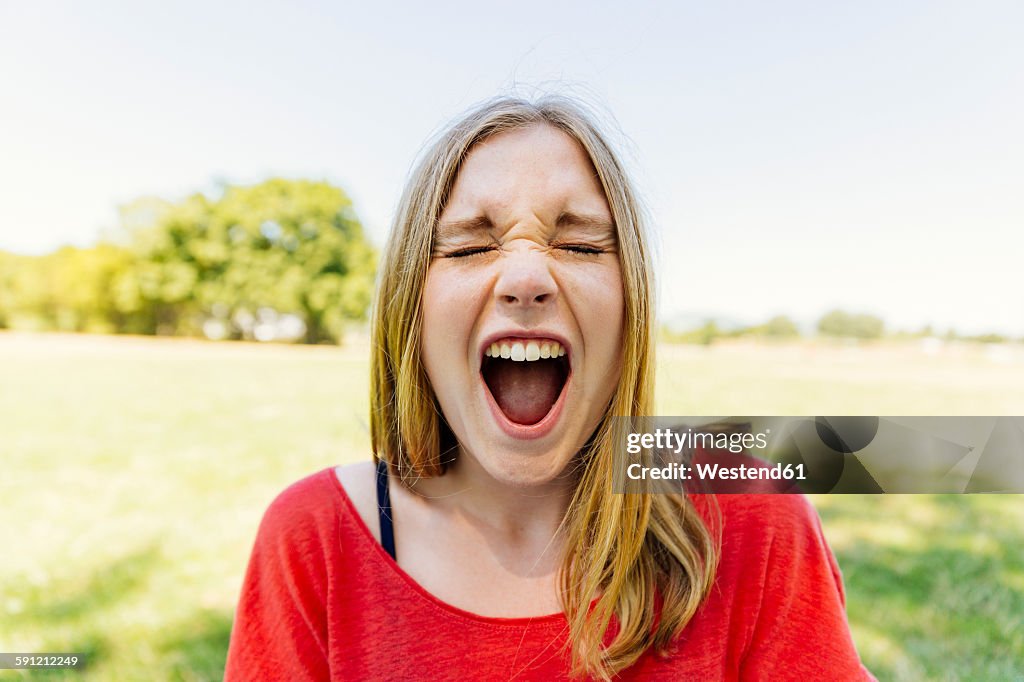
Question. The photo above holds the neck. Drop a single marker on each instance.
(525, 519)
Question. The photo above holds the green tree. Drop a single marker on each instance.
(67, 290)
(80, 285)
(9, 264)
(280, 247)
(705, 335)
(780, 327)
(857, 326)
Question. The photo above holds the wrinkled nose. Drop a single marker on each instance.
(525, 282)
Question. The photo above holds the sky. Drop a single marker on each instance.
(794, 156)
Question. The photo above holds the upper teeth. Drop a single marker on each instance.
(528, 350)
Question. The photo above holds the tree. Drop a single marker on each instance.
(282, 247)
(780, 327)
(9, 265)
(858, 326)
(705, 335)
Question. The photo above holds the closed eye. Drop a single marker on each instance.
(469, 251)
(585, 249)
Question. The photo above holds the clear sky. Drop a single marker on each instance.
(795, 156)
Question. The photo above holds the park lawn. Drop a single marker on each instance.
(135, 472)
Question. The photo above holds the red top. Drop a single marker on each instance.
(322, 600)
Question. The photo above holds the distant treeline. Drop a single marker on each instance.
(282, 260)
(836, 324)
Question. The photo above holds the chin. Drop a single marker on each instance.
(520, 470)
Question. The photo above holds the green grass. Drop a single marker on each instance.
(935, 583)
(134, 473)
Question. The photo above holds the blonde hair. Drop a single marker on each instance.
(648, 560)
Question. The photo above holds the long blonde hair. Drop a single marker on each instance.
(648, 560)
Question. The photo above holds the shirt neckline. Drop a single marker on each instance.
(382, 556)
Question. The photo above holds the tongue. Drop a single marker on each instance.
(525, 391)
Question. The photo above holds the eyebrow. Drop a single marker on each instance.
(479, 223)
(570, 219)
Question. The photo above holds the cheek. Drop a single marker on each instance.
(611, 344)
(599, 305)
(616, 307)
(433, 341)
(613, 320)
(449, 312)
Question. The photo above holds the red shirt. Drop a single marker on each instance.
(322, 600)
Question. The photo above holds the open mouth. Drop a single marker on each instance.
(525, 378)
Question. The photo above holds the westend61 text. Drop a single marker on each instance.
(716, 472)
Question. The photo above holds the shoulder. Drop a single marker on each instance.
(358, 481)
(788, 522)
(304, 512)
(331, 509)
(767, 531)
(305, 497)
(786, 590)
(776, 539)
(769, 514)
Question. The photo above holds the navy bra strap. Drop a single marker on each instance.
(387, 527)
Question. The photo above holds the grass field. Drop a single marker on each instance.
(135, 471)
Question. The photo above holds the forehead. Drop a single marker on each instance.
(538, 170)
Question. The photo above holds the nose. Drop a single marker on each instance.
(525, 282)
